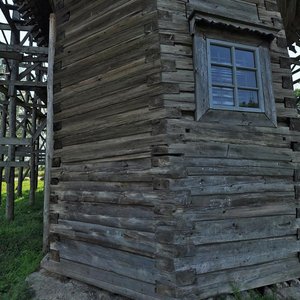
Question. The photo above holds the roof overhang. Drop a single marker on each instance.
(290, 11)
(38, 11)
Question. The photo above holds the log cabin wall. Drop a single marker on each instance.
(240, 229)
(106, 215)
(147, 202)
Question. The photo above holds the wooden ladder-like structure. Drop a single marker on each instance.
(290, 10)
(23, 100)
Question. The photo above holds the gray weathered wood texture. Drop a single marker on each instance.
(146, 201)
(49, 139)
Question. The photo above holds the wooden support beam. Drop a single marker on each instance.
(11, 55)
(6, 13)
(39, 130)
(23, 49)
(10, 170)
(21, 168)
(13, 164)
(3, 151)
(40, 58)
(28, 70)
(20, 152)
(17, 53)
(33, 159)
(14, 141)
(4, 26)
(3, 129)
(11, 6)
(25, 85)
(49, 147)
(26, 106)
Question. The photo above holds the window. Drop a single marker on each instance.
(234, 77)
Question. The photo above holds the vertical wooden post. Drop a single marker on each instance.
(49, 142)
(24, 134)
(3, 128)
(32, 157)
(37, 163)
(21, 169)
(10, 171)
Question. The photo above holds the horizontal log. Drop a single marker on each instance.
(108, 259)
(216, 257)
(14, 141)
(7, 164)
(131, 241)
(219, 207)
(103, 279)
(244, 278)
(238, 229)
(23, 49)
(72, 192)
(25, 85)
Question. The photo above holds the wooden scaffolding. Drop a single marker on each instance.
(290, 11)
(23, 100)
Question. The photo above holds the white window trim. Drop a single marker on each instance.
(234, 46)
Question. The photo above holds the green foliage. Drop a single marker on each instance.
(20, 245)
(297, 93)
(251, 295)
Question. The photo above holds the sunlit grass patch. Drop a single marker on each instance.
(20, 244)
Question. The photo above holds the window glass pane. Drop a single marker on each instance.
(248, 98)
(221, 75)
(244, 58)
(220, 54)
(246, 78)
(223, 96)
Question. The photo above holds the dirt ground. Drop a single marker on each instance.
(46, 287)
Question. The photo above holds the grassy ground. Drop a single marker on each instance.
(20, 245)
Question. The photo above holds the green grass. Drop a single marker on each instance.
(20, 245)
(252, 295)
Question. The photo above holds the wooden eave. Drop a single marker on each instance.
(264, 32)
(37, 13)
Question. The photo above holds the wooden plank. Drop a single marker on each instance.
(105, 280)
(3, 150)
(230, 9)
(4, 26)
(23, 49)
(220, 207)
(76, 192)
(10, 171)
(270, 109)
(26, 85)
(49, 139)
(216, 257)
(131, 241)
(218, 231)
(14, 141)
(108, 259)
(201, 76)
(232, 151)
(7, 164)
(244, 278)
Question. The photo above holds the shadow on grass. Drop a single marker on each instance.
(20, 245)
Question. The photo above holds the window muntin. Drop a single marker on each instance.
(234, 77)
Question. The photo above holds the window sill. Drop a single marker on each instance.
(236, 118)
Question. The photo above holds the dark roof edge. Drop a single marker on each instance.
(37, 12)
(290, 11)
